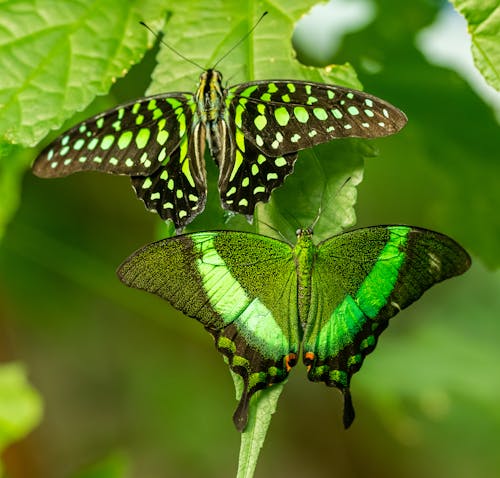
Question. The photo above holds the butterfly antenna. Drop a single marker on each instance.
(242, 39)
(277, 231)
(343, 185)
(171, 48)
(318, 215)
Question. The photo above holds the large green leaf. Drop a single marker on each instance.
(483, 18)
(206, 37)
(205, 31)
(57, 56)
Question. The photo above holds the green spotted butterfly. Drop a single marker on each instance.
(254, 131)
(263, 300)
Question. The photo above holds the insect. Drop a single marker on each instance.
(263, 300)
(254, 131)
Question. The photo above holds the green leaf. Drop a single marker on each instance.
(267, 53)
(59, 56)
(322, 188)
(262, 406)
(483, 18)
(20, 404)
(115, 465)
(205, 34)
(13, 161)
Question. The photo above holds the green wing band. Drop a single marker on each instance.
(348, 318)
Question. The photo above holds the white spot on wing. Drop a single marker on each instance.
(434, 262)
(396, 305)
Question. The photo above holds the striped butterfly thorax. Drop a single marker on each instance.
(254, 131)
(263, 300)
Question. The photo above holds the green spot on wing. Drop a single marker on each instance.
(301, 114)
(282, 116)
(106, 142)
(124, 139)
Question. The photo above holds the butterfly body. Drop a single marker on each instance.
(264, 300)
(304, 254)
(254, 131)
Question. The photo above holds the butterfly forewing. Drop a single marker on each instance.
(132, 139)
(281, 117)
(242, 287)
(360, 280)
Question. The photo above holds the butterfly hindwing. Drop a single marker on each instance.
(177, 190)
(248, 176)
(242, 287)
(360, 280)
(281, 117)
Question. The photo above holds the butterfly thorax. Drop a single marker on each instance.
(304, 253)
(210, 106)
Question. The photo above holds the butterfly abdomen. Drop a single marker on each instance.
(303, 254)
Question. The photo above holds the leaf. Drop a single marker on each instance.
(20, 404)
(115, 465)
(322, 189)
(59, 56)
(483, 18)
(202, 30)
(205, 33)
(13, 161)
(262, 406)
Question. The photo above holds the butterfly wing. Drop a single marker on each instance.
(246, 175)
(150, 139)
(360, 280)
(268, 122)
(284, 116)
(177, 190)
(242, 287)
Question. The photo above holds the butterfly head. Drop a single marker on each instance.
(304, 233)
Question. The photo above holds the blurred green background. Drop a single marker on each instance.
(128, 382)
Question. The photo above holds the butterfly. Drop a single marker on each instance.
(254, 131)
(264, 300)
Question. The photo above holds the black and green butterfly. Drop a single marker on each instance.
(263, 299)
(253, 130)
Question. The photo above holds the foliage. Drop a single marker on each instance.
(123, 371)
(483, 18)
(20, 405)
